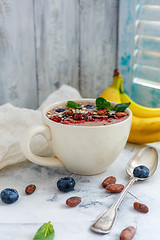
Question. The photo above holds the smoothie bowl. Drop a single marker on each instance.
(85, 135)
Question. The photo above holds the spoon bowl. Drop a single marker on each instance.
(148, 157)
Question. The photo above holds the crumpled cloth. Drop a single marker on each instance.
(14, 121)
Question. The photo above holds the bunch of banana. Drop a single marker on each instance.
(145, 126)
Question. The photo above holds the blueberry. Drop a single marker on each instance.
(89, 106)
(9, 195)
(141, 172)
(66, 184)
(59, 110)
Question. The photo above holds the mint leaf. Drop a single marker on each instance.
(121, 107)
(100, 100)
(101, 103)
(106, 105)
(45, 232)
(72, 104)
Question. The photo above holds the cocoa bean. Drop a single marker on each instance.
(30, 189)
(73, 201)
(141, 207)
(128, 233)
(108, 180)
(114, 188)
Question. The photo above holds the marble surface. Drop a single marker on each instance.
(21, 220)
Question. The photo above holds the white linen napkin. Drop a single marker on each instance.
(14, 121)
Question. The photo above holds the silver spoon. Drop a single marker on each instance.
(148, 157)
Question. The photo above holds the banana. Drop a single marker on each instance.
(142, 136)
(112, 92)
(145, 126)
(144, 130)
(138, 110)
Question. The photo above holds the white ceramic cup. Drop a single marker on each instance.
(85, 150)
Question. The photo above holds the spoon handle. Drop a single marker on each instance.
(124, 192)
(105, 221)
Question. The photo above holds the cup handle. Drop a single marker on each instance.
(26, 148)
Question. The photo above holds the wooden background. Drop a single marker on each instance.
(47, 43)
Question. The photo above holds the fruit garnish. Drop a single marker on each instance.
(72, 104)
(60, 110)
(89, 106)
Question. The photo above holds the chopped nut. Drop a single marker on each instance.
(102, 112)
(77, 116)
(121, 114)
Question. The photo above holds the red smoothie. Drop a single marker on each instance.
(87, 114)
